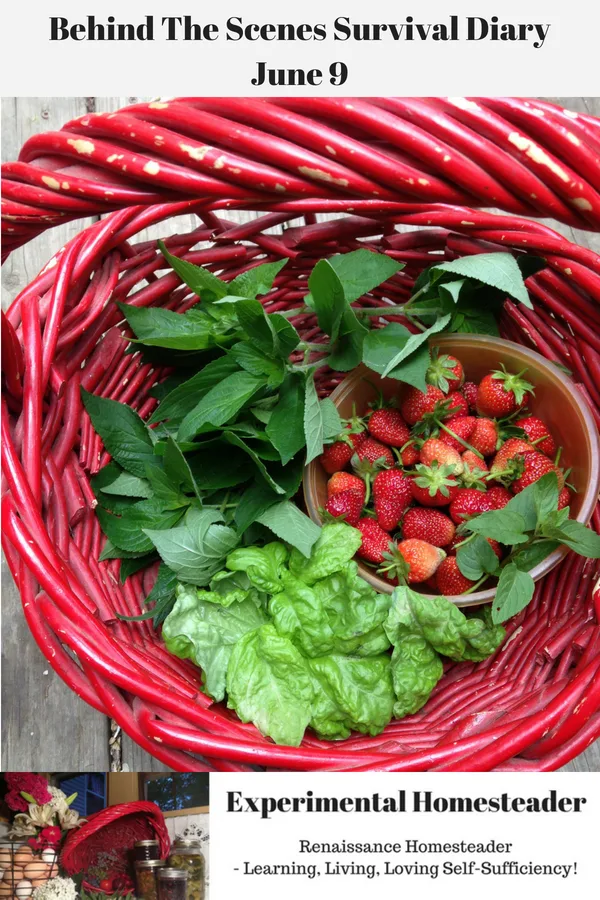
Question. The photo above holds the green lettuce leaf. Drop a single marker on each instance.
(336, 546)
(354, 695)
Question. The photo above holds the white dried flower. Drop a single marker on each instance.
(56, 889)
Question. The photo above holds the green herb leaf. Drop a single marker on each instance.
(126, 437)
(352, 695)
(182, 399)
(545, 495)
(332, 423)
(336, 544)
(255, 361)
(258, 280)
(237, 441)
(476, 558)
(328, 297)
(576, 536)
(290, 524)
(513, 593)
(362, 270)
(285, 427)
(197, 278)
(128, 531)
(382, 344)
(533, 554)
(221, 403)
(499, 270)
(178, 469)
(313, 420)
(503, 525)
(192, 330)
(254, 501)
(126, 485)
(413, 342)
(196, 550)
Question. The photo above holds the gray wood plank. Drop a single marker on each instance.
(39, 710)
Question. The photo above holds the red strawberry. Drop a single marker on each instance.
(445, 372)
(450, 580)
(409, 454)
(375, 541)
(392, 493)
(564, 498)
(474, 462)
(416, 403)
(422, 559)
(509, 451)
(459, 538)
(501, 394)
(463, 427)
(345, 481)
(429, 525)
(469, 392)
(499, 497)
(434, 485)
(538, 433)
(388, 426)
(484, 436)
(336, 456)
(434, 450)
(346, 504)
(373, 452)
(468, 502)
(534, 465)
(457, 406)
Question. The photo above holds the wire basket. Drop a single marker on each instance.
(103, 846)
(536, 703)
(24, 869)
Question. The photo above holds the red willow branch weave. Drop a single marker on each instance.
(536, 703)
(527, 157)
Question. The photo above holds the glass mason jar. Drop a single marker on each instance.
(146, 850)
(172, 884)
(146, 885)
(187, 854)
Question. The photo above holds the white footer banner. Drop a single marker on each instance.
(495, 835)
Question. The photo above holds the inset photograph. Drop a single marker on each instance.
(300, 434)
(65, 835)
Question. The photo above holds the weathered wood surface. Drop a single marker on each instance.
(45, 727)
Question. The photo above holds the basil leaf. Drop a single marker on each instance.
(258, 280)
(197, 278)
(221, 403)
(285, 427)
(513, 593)
(128, 531)
(178, 469)
(254, 501)
(476, 558)
(362, 270)
(499, 270)
(576, 536)
(126, 437)
(313, 420)
(126, 485)
(290, 524)
(255, 361)
(533, 554)
(182, 399)
(328, 297)
(382, 344)
(413, 342)
(545, 495)
(503, 525)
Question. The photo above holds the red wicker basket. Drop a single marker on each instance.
(114, 831)
(383, 163)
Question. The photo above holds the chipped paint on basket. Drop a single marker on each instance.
(320, 175)
(537, 154)
(85, 148)
(152, 167)
(197, 153)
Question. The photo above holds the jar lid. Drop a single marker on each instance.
(150, 843)
(187, 842)
(179, 874)
(149, 863)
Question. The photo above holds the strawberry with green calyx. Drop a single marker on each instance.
(474, 462)
(530, 467)
(456, 405)
(469, 392)
(450, 581)
(538, 434)
(472, 474)
(434, 450)
(392, 494)
(417, 404)
(468, 502)
(434, 485)
(387, 425)
(346, 505)
(375, 541)
(408, 455)
(337, 455)
(421, 558)
(457, 436)
(502, 393)
(441, 419)
(484, 437)
(445, 372)
(429, 525)
(502, 467)
(345, 481)
(375, 453)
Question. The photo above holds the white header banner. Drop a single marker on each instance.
(266, 48)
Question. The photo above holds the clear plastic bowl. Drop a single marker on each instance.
(557, 401)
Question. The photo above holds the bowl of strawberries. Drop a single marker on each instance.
(413, 469)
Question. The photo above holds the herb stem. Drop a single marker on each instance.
(459, 439)
(381, 310)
